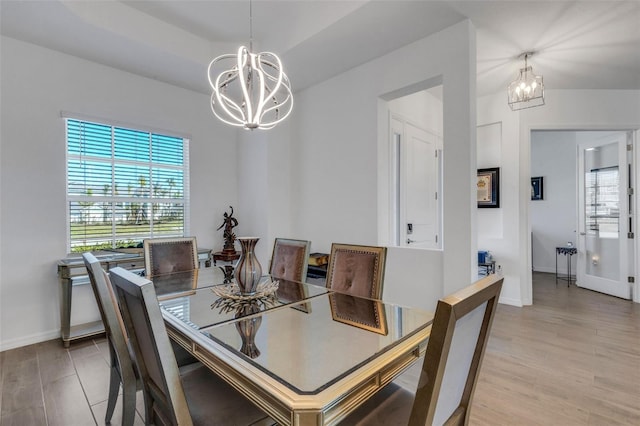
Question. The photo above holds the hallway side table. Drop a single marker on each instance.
(567, 251)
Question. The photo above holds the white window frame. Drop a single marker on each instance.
(150, 198)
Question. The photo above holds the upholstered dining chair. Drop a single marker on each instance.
(122, 369)
(192, 395)
(356, 270)
(168, 255)
(290, 259)
(450, 368)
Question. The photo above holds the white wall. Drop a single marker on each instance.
(553, 219)
(253, 196)
(37, 84)
(564, 109)
(265, 184)
(413, 277)
(498, 228)
(490, 220)
(340, 147)
(422, 108)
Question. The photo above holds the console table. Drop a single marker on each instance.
(567, 251)
(72, 272)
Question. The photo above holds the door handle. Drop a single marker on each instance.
(409, 241)
(583, 233)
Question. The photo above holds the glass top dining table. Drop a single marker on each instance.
(306, 355)
(189, 296)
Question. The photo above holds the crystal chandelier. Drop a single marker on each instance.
(250, 90)
(527, 91)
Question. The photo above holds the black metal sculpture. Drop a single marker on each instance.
(228, 252)
(228, 224)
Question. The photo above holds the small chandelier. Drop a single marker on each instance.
(527, 91)
(251, 90)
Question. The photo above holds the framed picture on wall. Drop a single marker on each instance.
(489, 187)
(537, 188)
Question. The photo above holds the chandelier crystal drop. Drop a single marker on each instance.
(527, 91)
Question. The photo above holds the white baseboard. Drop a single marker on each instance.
(510, 301)
(552, 270)
(5, 345)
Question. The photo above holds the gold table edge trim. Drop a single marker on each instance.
(284, 405)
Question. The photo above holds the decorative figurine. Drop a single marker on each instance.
(228, 252)
(228, 224)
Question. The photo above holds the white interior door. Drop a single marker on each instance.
(604, 249)
(420, 188)
(416, 163)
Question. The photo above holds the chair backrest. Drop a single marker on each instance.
(166, 402)
(454, 354)
(168, 255)
(357, 270)
(290, 259)
(111, 317)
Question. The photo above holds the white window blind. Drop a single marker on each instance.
(123, 185)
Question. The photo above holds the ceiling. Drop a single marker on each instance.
(578, 44)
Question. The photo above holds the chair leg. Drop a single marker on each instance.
(128, 403)
(148, 412)
(114, 387)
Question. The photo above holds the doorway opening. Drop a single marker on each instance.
(585, 199)
(415, 177)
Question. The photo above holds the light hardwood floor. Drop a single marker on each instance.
(573, 358)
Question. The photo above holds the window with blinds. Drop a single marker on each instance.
(123, 185)
(602, 198)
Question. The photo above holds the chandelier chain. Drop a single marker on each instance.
(250, 25)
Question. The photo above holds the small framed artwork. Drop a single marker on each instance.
(537, 188)
(489, 187)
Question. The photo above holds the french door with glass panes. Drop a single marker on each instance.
(605, 247)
